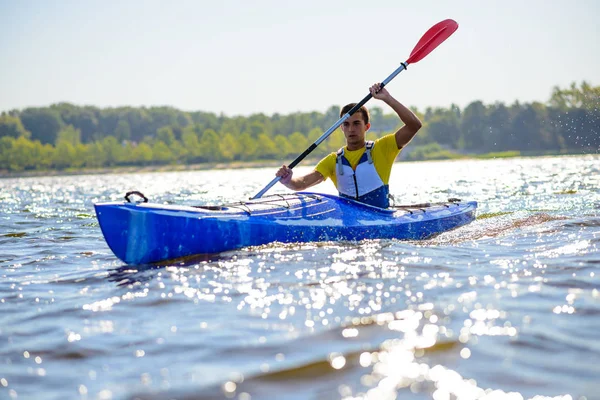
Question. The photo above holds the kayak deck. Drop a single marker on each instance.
(146, 233)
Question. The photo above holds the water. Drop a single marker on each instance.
(506, 307)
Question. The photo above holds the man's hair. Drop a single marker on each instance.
(363, 110)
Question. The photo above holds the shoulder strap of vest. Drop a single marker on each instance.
(369, 147)
(338, 161)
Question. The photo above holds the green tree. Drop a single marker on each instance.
(210, 146)
(64, 155)
(81, 118)
(501, 135)
(7, 145)
(230, 148)
(122, 131)
(442, 126)
(255, 129)
(140, 123)
(96, 155)
(180, 152)
(534, 133)
(267, 148)
(192, 145)
(113, 151)
(42, 155)
(43, 123)
(69, 134)
(230, 125)
(12, 126)
(284, 146)
(142, 154)
(249, 147)
(161, 152)
(586, 97)
(166, 135)
(205, 120)
(474, 126)
(298, 141)
(81, 154)
(23, 157)
(163, 116)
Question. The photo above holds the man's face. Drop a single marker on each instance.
(354, 129)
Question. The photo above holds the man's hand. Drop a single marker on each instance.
(285, 174)
(378, 92)
(411, 122)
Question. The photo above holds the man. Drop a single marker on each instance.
(361, 170)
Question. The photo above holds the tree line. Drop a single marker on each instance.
(64, 136)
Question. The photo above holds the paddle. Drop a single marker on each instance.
(429, 41)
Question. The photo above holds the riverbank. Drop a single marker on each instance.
(148, 168)
(253, 164)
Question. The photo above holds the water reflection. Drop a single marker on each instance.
(133, 274)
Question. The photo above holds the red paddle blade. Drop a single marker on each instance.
(432, 39)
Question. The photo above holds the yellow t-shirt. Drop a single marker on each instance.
(384, 154)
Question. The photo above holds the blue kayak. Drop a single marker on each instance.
(142, 232)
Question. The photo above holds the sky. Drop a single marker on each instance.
(240, 57)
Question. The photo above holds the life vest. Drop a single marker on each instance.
(364, 183)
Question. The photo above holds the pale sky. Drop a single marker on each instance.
(241, 57)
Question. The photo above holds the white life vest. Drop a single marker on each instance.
(364, 183)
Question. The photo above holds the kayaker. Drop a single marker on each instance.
(361, 170)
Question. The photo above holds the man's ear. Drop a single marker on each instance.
(368, 126)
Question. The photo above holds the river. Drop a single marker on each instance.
(507, 307)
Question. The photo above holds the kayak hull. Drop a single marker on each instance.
(140, 233)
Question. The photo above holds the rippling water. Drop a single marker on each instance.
(506, 307)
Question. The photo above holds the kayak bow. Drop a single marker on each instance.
(140, 233)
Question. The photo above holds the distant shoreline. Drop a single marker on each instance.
(238, 165)
(142, 169)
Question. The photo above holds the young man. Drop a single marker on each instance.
(361, 170)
